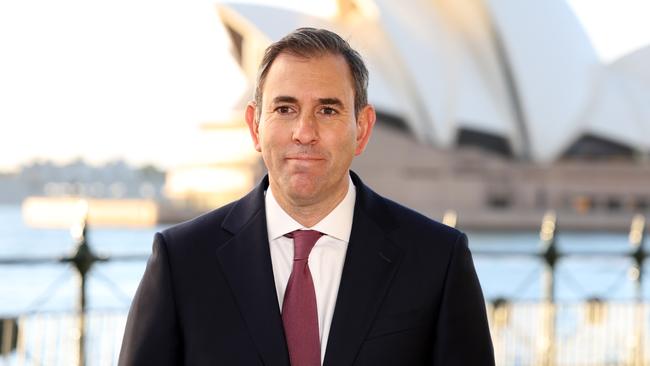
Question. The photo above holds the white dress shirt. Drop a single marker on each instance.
(325, 260)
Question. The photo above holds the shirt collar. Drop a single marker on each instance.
(337, 224)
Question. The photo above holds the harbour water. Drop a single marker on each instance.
(52, 287)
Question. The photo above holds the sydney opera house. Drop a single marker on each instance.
(496, 109)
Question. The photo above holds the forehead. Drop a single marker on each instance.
(322, 76)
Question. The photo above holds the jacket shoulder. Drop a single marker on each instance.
(408, 222)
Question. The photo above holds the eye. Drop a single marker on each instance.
(283, 109)
(328, 111)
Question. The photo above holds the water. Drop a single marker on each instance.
(52, 287)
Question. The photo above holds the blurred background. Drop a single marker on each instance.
(524, 123)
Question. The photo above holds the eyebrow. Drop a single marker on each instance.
(284, 99)
(331, 101)
(290, 99)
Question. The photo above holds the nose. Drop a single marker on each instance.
(305, 130)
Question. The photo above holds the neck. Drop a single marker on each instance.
(309, 214)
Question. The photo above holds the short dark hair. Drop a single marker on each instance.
(309, 42)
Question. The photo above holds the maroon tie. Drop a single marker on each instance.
(299, 312)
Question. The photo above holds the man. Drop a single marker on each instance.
(312, 267)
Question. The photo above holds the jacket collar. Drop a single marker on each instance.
(367, 202)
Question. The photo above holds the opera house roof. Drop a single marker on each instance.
(516, 77)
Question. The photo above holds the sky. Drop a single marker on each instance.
(135, 79)
(615, 27)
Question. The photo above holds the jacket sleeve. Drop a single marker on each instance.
(152, 334)
(462, 335)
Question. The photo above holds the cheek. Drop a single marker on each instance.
(271, 147)
(265, 138)
(349, 141)
(343, 149)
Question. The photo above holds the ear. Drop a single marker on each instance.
(253, 124)
(365, 123)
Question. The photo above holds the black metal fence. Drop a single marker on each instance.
(542, 333)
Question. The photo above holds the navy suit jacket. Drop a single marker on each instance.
(409, 294)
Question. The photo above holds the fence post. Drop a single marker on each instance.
(82, 260)
(636, 238)
(550, 256)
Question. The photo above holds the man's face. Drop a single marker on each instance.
(307, 131)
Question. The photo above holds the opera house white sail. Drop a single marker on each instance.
(519, 77)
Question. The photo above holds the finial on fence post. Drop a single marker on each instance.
(549, 254)
(450, 218)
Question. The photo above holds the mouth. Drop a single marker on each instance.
(304, 163)
(306, 158)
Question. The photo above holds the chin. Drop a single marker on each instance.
(303, 178)
(302, 190)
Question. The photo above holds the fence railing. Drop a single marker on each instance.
(591, 333)
(548, 318)
(52, 339)
(588, 334)
(544, 333)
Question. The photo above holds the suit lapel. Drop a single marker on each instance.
(246, 263)
(370, 264)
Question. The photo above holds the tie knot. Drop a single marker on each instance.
(303, 242)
